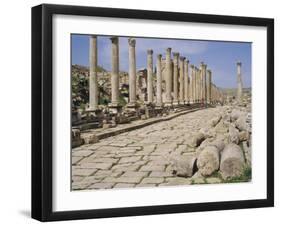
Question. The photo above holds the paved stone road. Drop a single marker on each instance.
(141, 157)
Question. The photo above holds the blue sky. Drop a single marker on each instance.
(220, 57)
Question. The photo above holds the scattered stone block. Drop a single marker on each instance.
(76, 140)
(232, 161)
(241, 124)
(233, 135)
(184, 166)
(196, 140)
(208, 160)
(214, 121)
(89, 138)
(244, 136)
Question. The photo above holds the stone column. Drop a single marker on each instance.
(204, 85)
(159, 81)
(197, 88)
(175, 77)
(114, 72)
(182, 80)
(186, 87)
(239, 82)
(149, 76)
(192, 84)
(168, 77)
(93, 79)
(132, 72)
(200, 97)
(208, 85)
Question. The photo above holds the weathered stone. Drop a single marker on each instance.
(160, 174)
(107, 173)
(106, 126)
(178, 181)
(208, 160)
(195, 140)
(152, 180)
(147, 168)
(124, 185)
(184, 166)
(221, 127)
(101, 160)
(134, 174)
(241, 124)
(75, 159)
(76, 138)
(235, 114)
(82, 153)
(233, 135)
(130, 159)
(130, 180)
(214, 121)
(89, 138)
(101, 186)
(207, 132)
(244, 136)
(97, 165)
(232, 161)
(83, 172)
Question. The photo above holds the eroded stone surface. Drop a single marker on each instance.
(140, 158)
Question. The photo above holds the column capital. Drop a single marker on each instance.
(168, 50)
(239, 63)
(114, 39)
(150, 51)
(132, 42)
(192, 66)
(186, 61)
(182, 58)
(159, 56)
(176, 54)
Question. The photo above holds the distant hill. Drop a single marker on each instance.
(84, 69)
(233, 91)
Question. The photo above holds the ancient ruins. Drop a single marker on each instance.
(177, 127)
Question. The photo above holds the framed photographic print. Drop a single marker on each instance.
(146, 112)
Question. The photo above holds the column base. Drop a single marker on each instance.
(168, 104)
(94, 112)
(159, 106)
(115, 108)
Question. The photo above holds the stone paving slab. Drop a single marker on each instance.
(140, 157)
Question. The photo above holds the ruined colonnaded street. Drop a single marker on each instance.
(164, 153)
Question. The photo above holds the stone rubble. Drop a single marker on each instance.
(173, 152)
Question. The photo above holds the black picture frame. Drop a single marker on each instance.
(42, 111)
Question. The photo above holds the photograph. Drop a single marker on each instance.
(153, 112)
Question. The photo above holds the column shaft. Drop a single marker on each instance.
(181, 95)
(208, 85)
(239, 82)
(175, 77)
(93, 79)
(186, 99)
(168, 77)
(114, 71)
(132, 71)
(159, 81)
(149, 76)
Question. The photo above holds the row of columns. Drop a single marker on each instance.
(194, 86)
